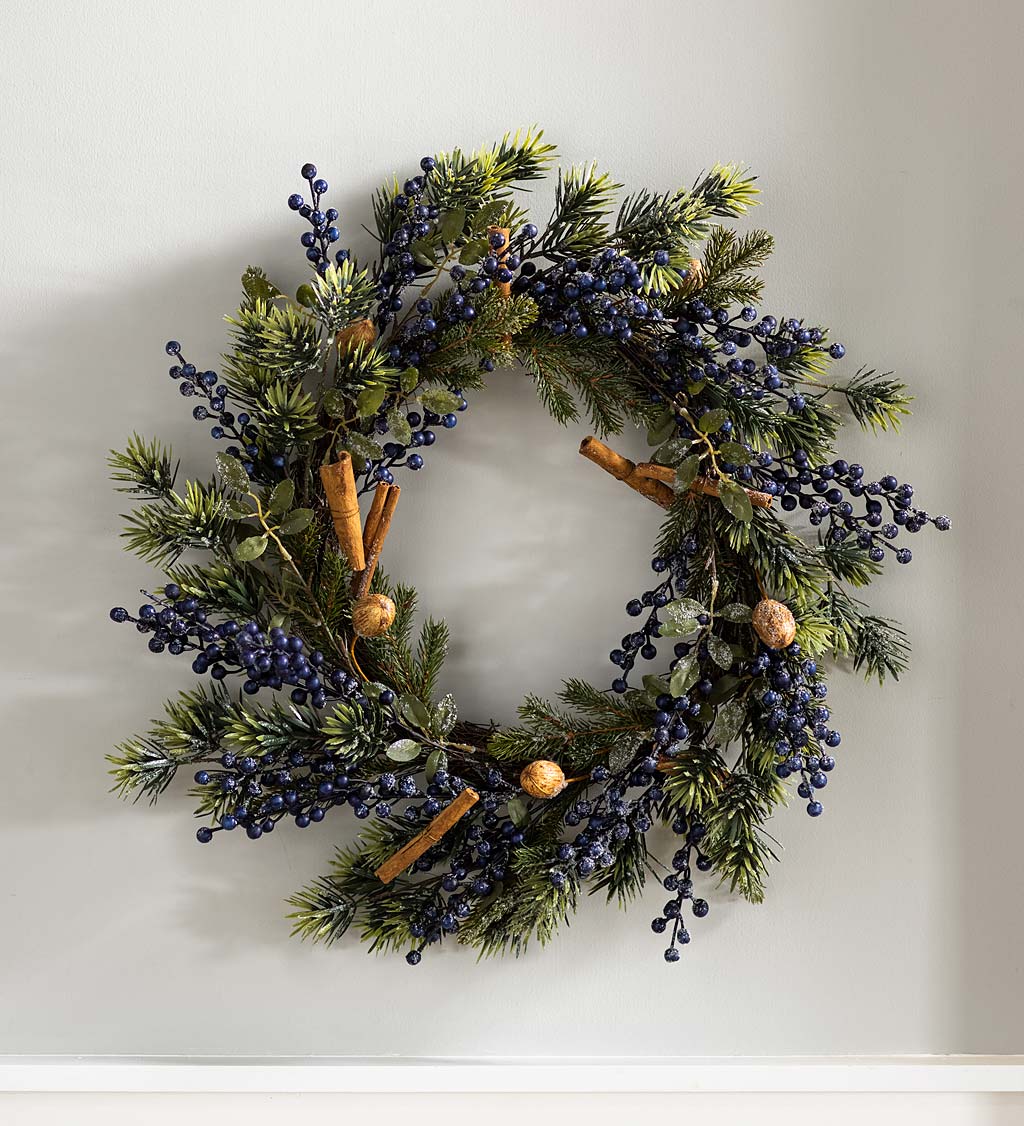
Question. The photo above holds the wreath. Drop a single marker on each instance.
(315, 696)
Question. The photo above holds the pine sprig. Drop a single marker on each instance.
(144, 469)
(160, 531)
(877, 402)
(736, 842)
(579, 221)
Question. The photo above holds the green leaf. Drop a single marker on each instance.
(723, 688)
(236, 511)
(361, 447)
(686, 474)
(473, 251)
(734, 452)
(440, 401)
(423, 252)
(735, 612)
(661, 429)
(735, 500)
(413, 711)
(711, 421)
(672, 451)
(251, 548)
(368, 400)
(444, 716)
(232, 473)
(408, 378)
(335, 403)
(277, 621)
(258, 286)
(720, 652)
(728, 722)
(436, 760)
(654, 686)
(684, 676)
(281, 498)
(519, 811)
(399, 426)
(306, 296)
(404, 750)
(451, 224)
(296, 521)
(623, 752)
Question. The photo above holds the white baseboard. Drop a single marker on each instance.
(331, 1075)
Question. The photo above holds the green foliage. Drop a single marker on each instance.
(877, 645)
(593, 725)
(694, 780)
(191, 731)
(392, 659)
(572, 373)
(283, 339)
(144, 469)
(285, 414)
(736, 842)
(341, 295)
(160, 531)
(876, 401)
(728, 262)
(579, 221)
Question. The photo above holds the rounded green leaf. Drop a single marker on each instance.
(281, 498)
(518, 811)
(403, 750)
(440, 401)
(232, 473)
(334, 403)
(686, 474)
(735, 500)
(399, 426)
(720, 652)
(296, 521)
(368, 400)
(684, 676)
(711, 421)
(251, 548)
(735, 612)
(734, 452)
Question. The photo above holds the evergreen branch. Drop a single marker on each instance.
(160, 531)
(735, 841)
(281, 338)
(143, 469)
(578, 223)
(876, 401)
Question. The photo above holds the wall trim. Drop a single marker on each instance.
(401, 1075)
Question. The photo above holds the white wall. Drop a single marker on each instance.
(148, 151)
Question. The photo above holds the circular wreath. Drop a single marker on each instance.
(642, 315)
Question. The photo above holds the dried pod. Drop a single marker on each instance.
(774, 623)
(372, 615)
(542, 779)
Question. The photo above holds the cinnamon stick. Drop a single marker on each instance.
(504, 288)
(411, 852)
(374, 546)
(343, 500)
(373, 516)
(624, 470)
(706, 485)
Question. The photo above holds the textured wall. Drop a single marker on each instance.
(148, 150)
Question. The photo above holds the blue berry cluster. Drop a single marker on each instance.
(322, 233)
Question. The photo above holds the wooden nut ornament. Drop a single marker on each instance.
(774, 623)
(372, 615)
(359, 333)
(542, 779)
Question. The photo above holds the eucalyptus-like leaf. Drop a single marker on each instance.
(251, 548)
(654, 686)
(451, 224)
(686, 473)
(623, 752)
(728, 722)
(423, 252)
(399, 426)
(297, 520)
(720, 652)
(473, 251)
(408, 378)
(712, 420)
(684, 676)
(436, 760)
(232, 473)
(735, 612)
(404, 750)
(735, 500)
(236, 511)
(734, 452)
(440, 401)
(413, 711)
(368, 400)
(672, 451)
(445, 716)
(335, 404)
(361, 447)
(306, 296)
(281, 498)
(661, 429)
(519, 811)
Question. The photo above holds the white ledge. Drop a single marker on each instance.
(324, 1074)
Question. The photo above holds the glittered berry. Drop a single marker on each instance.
(204, 835)
(308, 171)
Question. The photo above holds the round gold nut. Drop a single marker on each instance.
(774, 623)
(352, 336)
(372, 615)
(542, 779)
